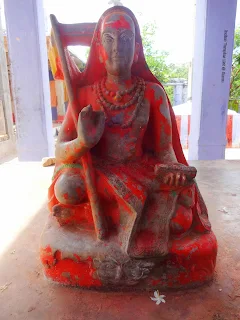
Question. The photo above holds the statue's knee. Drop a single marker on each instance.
(181, 221)
(186, 197)
(70, 189)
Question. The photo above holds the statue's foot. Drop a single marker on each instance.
(154, 247)
(63, 214)
(123, 272)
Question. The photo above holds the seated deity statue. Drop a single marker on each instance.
(125, 209)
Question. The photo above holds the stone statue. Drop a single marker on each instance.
(125, 209)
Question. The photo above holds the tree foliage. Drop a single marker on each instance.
(235, 75)
(158, 60)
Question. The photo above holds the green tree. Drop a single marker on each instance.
(178, 70)
(158, 60)
(234, 96)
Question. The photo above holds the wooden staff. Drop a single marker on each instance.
(99, 223)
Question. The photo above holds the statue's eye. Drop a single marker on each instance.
(125, 37)
(108, 38)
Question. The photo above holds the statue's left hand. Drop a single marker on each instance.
(175, 179)
(176, 174)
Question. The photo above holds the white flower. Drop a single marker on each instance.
(158, 298)
(115, 2)
(223, 209)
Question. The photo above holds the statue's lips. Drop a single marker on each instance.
(118, 58)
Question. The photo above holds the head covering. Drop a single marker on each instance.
(95, 70)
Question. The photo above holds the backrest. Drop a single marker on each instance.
(74, 34)
(69, 35)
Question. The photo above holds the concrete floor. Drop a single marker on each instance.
(230, 153)
(25, 294)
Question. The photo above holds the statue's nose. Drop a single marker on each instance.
(116, 45)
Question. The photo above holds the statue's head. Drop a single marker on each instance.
(118, 48)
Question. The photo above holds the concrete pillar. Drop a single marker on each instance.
(214, 37)
(189, 89)
(7, 138)
(185, 92)
(59, 85)
(29, 67)
(3, 130)
(178, 94)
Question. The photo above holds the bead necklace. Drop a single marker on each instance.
(138, 97)
(118, 95)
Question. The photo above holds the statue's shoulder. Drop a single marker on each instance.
(86, 95)
(155, 91)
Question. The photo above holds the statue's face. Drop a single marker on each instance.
(118, 43)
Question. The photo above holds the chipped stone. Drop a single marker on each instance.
(47, 162)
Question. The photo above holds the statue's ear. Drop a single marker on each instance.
(136, 54)
(100, 57)
(100, 54)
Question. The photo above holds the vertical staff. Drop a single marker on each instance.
(88, 169)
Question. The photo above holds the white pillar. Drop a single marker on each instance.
(189, 88)
(59, 86)
(178, 94)
(214, 36)
(7, 138)
(185, 93)
(29, 66)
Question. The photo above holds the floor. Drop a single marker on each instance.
(25, 294)
(230, 153)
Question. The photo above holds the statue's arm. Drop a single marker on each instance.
(73, 142)
(164, 149)
(69, 146)
(163, 126)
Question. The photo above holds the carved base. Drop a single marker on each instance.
(73, 257)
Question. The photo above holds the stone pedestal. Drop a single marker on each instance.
(72, 256)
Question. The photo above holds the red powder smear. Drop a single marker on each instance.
(160, 100)
(68, 271)
(65, 196)
(79, 273)
(47, 256)
(121, 23)
(104, 55)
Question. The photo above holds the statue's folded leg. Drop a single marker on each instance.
(181, 220)
(69, 190)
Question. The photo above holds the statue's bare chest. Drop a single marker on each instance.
(124, 142)
(124, 128)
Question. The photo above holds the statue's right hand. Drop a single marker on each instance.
(90, 126)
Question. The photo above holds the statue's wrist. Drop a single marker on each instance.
(83, 144)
